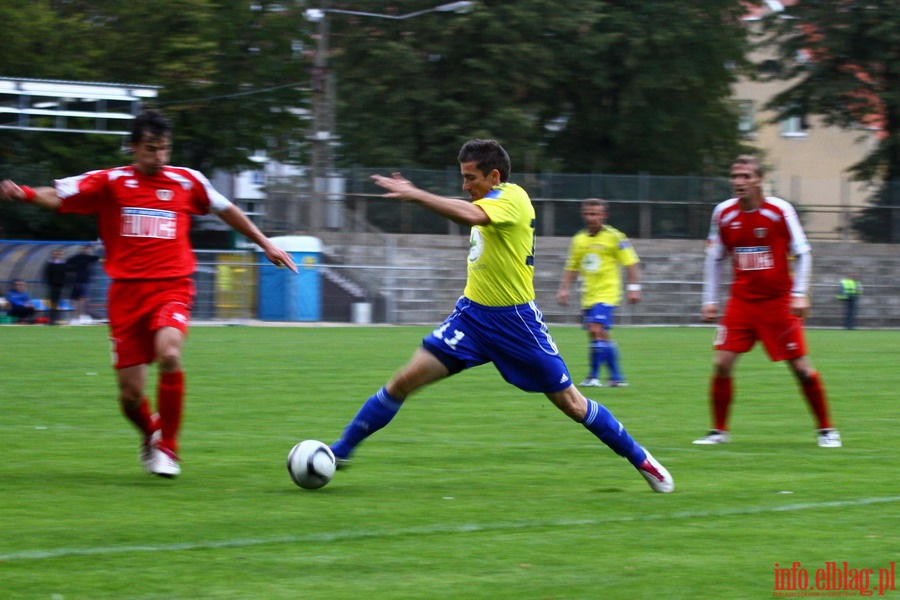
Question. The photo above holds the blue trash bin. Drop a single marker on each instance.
(284, 295)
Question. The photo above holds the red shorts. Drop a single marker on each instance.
(768, 321)
(137, 309)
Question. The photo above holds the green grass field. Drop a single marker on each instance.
(476, 490)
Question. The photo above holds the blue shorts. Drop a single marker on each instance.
(514, 338)
(600, 313)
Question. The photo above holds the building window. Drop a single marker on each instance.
(746, 118)
(797, 126)
(258, 177)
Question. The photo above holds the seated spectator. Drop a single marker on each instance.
(21, 306)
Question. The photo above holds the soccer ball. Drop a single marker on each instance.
(311, 464)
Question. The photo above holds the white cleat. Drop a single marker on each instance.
(656, 475)
(715, 436)
(164, 464)
(829, 438)
(616, 383)
(590, 382)
(146, 449)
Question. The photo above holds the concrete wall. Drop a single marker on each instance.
(423, 275)
(416, 279)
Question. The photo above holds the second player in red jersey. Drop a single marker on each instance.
(771, 261)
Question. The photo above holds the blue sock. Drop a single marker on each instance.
(604, 425)
(374, 414)
(612, 359)
(598, 357)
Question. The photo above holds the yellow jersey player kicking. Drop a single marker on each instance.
(496, 320)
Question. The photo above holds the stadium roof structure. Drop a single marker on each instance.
(70, 106)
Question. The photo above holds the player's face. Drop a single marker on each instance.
(151, 154)
(476, 183)
(745, 181)
(594, 217)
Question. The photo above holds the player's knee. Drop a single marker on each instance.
(169, 359)
(806, 375)
(130, 397)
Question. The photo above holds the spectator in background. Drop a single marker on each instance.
(851, 290)
(80, 266)
(55, 272)
(21, 307)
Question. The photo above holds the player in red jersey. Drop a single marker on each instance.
(768, 294)
(144, 216)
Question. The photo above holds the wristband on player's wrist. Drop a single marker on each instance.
(30, 194)
(633, 287)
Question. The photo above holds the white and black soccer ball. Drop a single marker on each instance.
(311, 464)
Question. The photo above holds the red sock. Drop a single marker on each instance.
(814, 392)
(721, 394)
(170, 399)
(142, 418)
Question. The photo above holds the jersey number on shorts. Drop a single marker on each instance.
(452, 342)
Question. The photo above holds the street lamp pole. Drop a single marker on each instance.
(322, 125)
(324, 101)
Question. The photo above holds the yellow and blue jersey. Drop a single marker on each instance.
(501, 253)
(598, 259)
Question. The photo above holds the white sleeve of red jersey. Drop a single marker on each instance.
(799, 244)
(712, 275)
(714, 260)
(217, 202)
(802, 269)
(799, 247)
(69, 186)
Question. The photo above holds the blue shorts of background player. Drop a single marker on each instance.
(600, 313)
(603, 351)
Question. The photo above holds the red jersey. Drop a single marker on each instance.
(144, 220)
(760, 242)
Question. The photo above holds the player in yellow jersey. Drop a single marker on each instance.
(496, 320)
(597, 254)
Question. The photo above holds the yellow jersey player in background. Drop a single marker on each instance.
(597, 254)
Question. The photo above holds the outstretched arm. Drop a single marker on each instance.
(42, 196)
(240, 222)
(457, 210)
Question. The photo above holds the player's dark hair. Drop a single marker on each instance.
(487, 156)
(749, 161)
(151, 123)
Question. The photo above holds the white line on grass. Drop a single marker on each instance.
(343, 536)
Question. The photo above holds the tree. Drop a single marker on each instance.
(843, 61)
(232, 76)
(615, 86)
(589, 86)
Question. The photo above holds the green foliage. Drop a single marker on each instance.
(230, 71)
(232, 75)
(590, 86)
(476, 490)
(843, 62)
